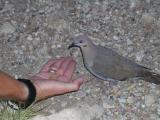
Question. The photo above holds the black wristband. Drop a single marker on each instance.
(30, 99)
(31, 93)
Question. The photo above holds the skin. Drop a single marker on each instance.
(55, 78)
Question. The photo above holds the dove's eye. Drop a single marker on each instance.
(80, 41)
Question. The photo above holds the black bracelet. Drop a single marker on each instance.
(31, 95)
(30, 99)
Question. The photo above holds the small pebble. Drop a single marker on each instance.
(58, 46)
(63, 104)
(53, 46)
(147, 19)
(149, 100)
(29, 38)
(139, 56)
(130, 100)
(129, 42)
(7, 28)
(115, 38)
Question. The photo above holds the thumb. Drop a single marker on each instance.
(75, 85)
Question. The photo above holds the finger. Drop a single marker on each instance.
(78, 82)
(64, 65)
(57, 64)
(69, 70)
(73, 86)
(46, 67)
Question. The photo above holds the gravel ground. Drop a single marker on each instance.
(32, 31)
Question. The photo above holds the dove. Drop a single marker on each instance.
(106, 64)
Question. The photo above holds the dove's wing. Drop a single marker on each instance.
(109, 64)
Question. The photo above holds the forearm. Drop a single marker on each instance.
(11, 89)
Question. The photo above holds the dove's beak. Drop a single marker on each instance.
(72, 45)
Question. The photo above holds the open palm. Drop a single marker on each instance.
(55, 78)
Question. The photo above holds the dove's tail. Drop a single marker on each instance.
(151, 77)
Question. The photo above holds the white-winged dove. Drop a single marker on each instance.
(106, 64)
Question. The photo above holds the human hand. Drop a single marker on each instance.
(55, 78)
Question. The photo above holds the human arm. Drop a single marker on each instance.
(46, 82)
(11, 88)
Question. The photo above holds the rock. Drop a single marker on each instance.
(148, 22)
(139, 56)
(53, 46)
(149, 100)
(7, 7)
(103, 44)
(57, 23)
(129, 42)
(115, 38)
(7, 28)
(97, 111)
(130, 100)
(29, 38)
(122, 100)
(64, 103)
(154, 117)
(108, 104)
(81, 94)
(134, 4)
(158, 23)
(74, 53)
(59, 46)
(158, 110)
(39, 117)
(147, 19)
(82, 112)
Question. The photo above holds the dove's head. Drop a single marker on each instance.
(81, 41)
(87, 48)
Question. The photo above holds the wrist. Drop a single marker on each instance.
(23, 95)
(39, 84)
(29, 95)
(39, 92)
